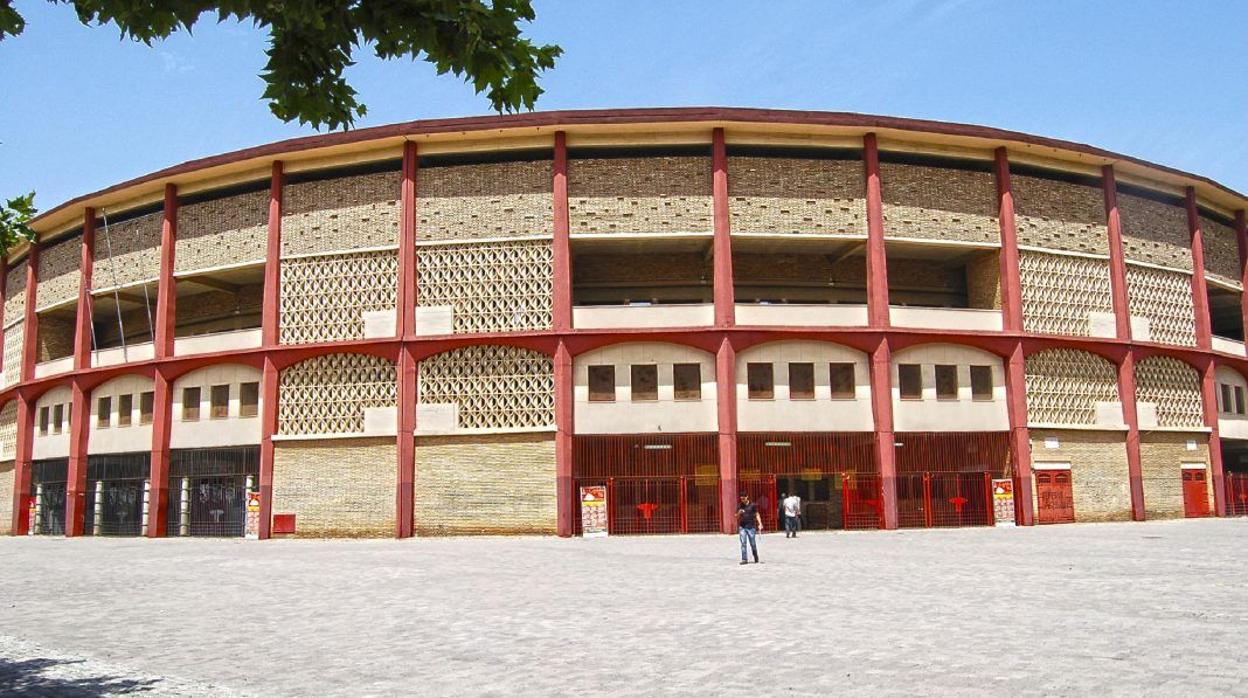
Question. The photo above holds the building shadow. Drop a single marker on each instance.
(38, 677)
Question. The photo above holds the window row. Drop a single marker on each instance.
(761, 381)
(1230, 399)
(54, 419)
(910, 382)
(125, 409)
(644, 382)
(192, 398)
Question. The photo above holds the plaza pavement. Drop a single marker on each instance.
(1158, 608)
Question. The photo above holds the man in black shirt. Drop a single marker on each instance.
(749, 523)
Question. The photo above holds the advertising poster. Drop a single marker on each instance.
(1003, 501)
(252, 527)
(594, 511)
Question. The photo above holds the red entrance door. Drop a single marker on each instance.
(1195, 494)
(1055, 497)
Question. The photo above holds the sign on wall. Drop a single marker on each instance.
(252, 527)
(594, 511)
(1003, 502)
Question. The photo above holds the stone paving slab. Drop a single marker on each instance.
(1158, 608)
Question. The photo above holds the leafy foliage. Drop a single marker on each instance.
(312, 42)
(14, 217)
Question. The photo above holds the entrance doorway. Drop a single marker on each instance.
(1195, 493)
(1055, 499)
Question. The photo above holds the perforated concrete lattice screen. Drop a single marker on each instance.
(13, 336)
(330, 394)
(1060, 291)
(127, 252)
(58, 271)
(1174, 387)
(324, 298)
(1165, 299)
(494, 287)
(8, 431)
(490, 387)
(1065, 385)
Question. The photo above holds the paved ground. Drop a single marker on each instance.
(1157, 608)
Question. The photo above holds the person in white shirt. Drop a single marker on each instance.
(792, 510)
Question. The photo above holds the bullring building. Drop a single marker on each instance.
(449, 327)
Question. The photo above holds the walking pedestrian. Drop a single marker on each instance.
(792, 507)
(749, 523)
(782, 520)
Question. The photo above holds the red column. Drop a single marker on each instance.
(1200, 292)
(162, 422)
(1241, 237)
(877, 259)
(565, 486)
(406, 321)
(1209, 403)
(726, 403)
(1126, 393)
(269, 396)
(1011, 285)
(82, 330)
(21, 461)
(1020, 436)
(76, 487)
(725, 294)
(404, 497)
(885, 439)
(30, 321)
(1117, 259)
(167, 292)
(270, 317)
(562, 249)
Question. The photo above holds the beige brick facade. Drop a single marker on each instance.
(15, 293)
(1060, 215)
(340, 214)
(56, 338)
(59, 272)
(497, 484)
(1154, 232)
(504, 199)
(1162, 455)
(225, 231)
(640, 195)
(220, 311)
(983, 281)
(337, 487)
(1221, 250)
(939, 203)
(1100, 479)
(7, 477)
(127, 252)
(797, 195)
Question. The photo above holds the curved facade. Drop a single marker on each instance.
(448, 327)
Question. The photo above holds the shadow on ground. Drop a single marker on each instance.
(56, 677)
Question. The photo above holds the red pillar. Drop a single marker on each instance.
(1117, 258)
(162, 422)
(1020, 436)
(1209, 404)
(82, 330)
(270, 316)
(404, 497)
(1200, 292)
(565, 489)
(877, 260)
(725, 295)
(30, 321)
(406, 320)
(269, 396)
(1241, 237)
(885, 439)
(404, 500)
(1011, 285)
(167, 292)
(726, 403)
(21, 461)
(1126, 393)
(562, 245)
(80, 413)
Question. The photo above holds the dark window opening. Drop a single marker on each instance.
(801, 381)
(606, 272)
(602, 384)
(103, 412)
(219, 402)
(1226, 317)
(223, 301)
(761, 381)
(981, 383)
(841, 380)
(146, 402)
(946, 382)
(910, 381)
(190, 404)
(644, 382)
(249, 399)
(928, 276)
(802, 272)
(687, 381)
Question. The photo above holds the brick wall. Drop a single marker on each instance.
(219, 311)
(1162, 455)
(1060, 215)
(1100, 480)
(500, 484)
(7, 478)
(1221, 251)
(127, 252)
(343, 213)
(939, 203)
(1154, 232)
(504, 199)
(56, 338)
(228, 230)
(337, 487)
(640, 195)
(58, 271)
(108, 333)
(797, 195)
(672, 267)
(15, 293)
(1059, 292)
(983, 281)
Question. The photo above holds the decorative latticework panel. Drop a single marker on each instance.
(219, 232)
(127, 252)
(343, 213)
(15, 292)
(796, 196)
(1155, 232)
(59, 271)
(491, 287)
(1174, 387)
(1059, 291)
(8, 431)
(661, 194)
(1221, 251)
(1165, 298)
(324, 298)
(13, 340)
(939, 203)
(1060, 215)
(489, 200)
(1064, 386)
(329, 394)
(493, 387)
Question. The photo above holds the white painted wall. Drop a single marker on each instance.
(1228, 346)
(218, 341)
(207, 432)
(55, 366)
(121, 355)
(963, 414)
(801, 315)
(627, 417)
(623, 316)
(116, 438)
(976, 319)
(820, 414)
(1231, 426)
(53, 445)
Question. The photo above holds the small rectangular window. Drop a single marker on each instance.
(761, 381)
(947, 382)
(1239, 400)
(103, 412)
(248, 399)
(146, 403)
(219, 402)
(125, 410)
(58, 416)
(687, 381)
(602, 384)
(190, 404)
(910, 380)
(1228, 404)
(644, 381)
(841, 380)
(45, 416)
(981, 383)
(801, 381)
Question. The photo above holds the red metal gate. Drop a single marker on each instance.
(1055, 497)
(1237, 494)
(939, 499)
(1195, 494)
(861, 501)
(657, 505)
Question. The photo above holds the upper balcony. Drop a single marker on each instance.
(642, 282)
(800, 281)
(944, 286)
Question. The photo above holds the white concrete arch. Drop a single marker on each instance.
(624, 415)
(208, 431)
(963, 413)
(112, 433)
(823, 412)
(55, 442)
(1232, 396)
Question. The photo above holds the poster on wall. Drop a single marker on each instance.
(32, 517)
(1003, 502)
(594, 511)
(252, 527)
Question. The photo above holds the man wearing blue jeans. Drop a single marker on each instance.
(749, 523)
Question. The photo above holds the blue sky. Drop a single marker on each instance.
(1159, 80)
